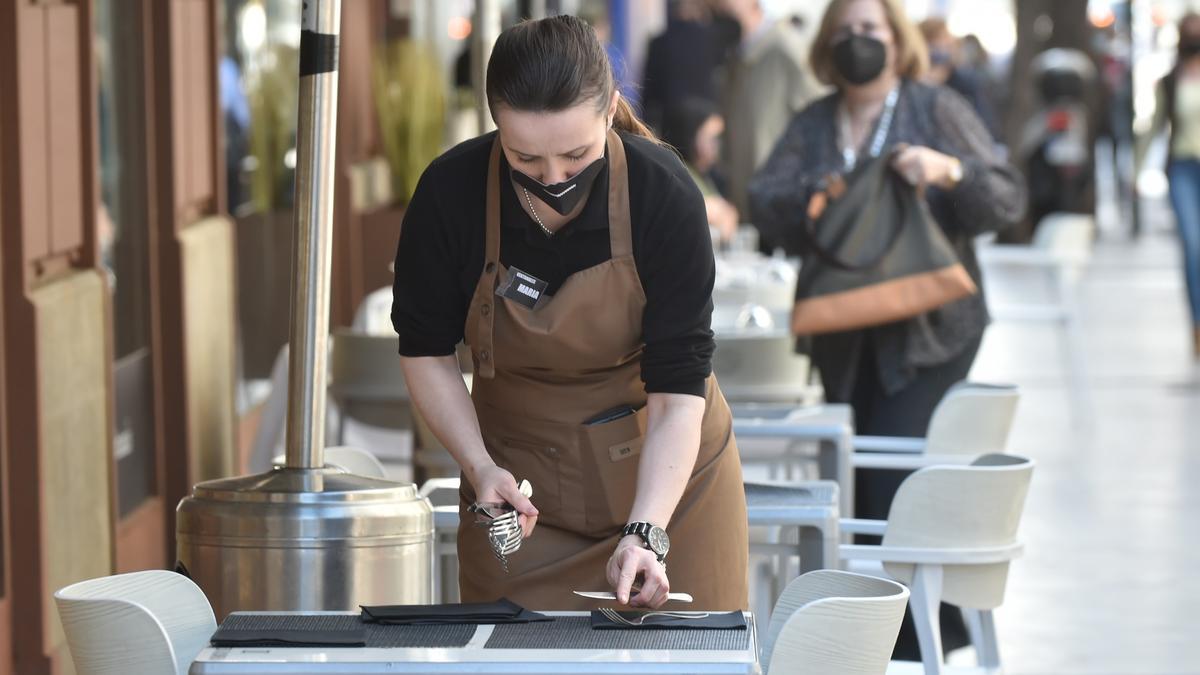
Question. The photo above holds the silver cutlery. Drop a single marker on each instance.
(504, 528)
(616, 617)
(609, 595)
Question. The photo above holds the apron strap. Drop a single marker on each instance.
(485, 291)
(620, 228)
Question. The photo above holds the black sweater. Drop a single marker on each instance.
(441, 251)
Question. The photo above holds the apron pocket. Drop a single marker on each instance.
(540, 465)
(614, 450)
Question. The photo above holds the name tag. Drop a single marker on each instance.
(524, 289)
(625, 450)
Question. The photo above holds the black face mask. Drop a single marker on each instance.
(859, 58)
(1189, 48)
(565, 196)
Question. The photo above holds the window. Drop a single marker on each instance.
(123, 232)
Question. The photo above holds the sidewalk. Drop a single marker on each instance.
(1111, 576)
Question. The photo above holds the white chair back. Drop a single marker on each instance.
(1067, 236)
(830, 621)
(972, 419)
(961, 507)
(355, 460)
(758, 366)
(347, 458)
(142, 623)
(365, 366)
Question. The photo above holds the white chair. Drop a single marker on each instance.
(950, 536)
(762, 366)
(972, 419)
(829, 621)
(269, 435)
(374, 314)
(143, 623)
(442, 493)
(1060, 250)
(349, 459)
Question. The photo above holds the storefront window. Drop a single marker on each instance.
(123, 232)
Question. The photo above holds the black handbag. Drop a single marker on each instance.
(876, 255)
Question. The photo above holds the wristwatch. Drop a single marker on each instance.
(956, 172)
(655, 537)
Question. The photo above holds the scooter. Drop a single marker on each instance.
(1055, 149)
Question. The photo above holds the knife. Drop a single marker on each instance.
(609, 595)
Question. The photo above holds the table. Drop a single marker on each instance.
(513, 648)
(830, 426)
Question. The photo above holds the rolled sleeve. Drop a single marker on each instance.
(428, 305)
(677, 271)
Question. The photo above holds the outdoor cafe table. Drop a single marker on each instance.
(566, 645)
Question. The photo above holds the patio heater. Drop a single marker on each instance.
(306, 536)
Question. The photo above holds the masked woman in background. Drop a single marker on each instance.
(893, 375)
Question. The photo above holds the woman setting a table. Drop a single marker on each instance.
(571, 251)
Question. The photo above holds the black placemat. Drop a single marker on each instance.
(377, 635)
(499, 611)
(575, 632)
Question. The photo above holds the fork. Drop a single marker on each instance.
(504, 531)
(616, 617)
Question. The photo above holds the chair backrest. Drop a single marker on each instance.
(972, 419)
(373, 315)
(142, 623)
(758, 359)
(355, 460)
(1067, 236)
(977, 506)
(269, 435)
(365, 366)
(830, 621)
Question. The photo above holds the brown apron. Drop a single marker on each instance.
(539, 374)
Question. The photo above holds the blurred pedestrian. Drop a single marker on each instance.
(764, 83)
(681, 61)
(1179, 107)
(693, 127)
(948, 66)
(893, 375)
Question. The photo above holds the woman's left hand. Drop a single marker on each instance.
(921, 166)
(630, 560)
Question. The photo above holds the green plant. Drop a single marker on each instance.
(273, 92)
(410, 100)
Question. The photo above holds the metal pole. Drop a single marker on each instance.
(311, 252)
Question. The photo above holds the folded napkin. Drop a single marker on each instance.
(714, 621)
(501, 611)
(235, 637)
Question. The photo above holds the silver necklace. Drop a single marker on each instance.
(536, 219)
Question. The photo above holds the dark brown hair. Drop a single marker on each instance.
(912, 55)
(553, 64)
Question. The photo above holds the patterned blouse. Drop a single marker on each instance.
(991, 196)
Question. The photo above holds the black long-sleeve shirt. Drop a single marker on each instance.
(441, 254)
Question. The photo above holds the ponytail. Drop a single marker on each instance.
(627, 120)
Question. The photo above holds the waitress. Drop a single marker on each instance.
(571, 251)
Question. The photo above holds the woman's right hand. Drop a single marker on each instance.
(494, 484)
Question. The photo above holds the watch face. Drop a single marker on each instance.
(659, 541)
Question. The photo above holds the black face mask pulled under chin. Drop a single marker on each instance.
(565, 196)
(859, 59)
